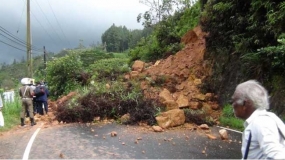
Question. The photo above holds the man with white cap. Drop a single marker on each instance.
(26, 93)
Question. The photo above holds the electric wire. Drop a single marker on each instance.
(12, 46)
(44, 29)
(48, 20)
(23, 45)
(21, 18)
(58, 24)
(16, 39)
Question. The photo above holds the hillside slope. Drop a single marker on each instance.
(176, 81)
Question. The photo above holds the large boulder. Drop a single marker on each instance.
(165, 95)
(138, 66)
(171, 118)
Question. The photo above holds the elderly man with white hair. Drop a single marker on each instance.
(264, 134)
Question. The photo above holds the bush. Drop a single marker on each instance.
(89, 57)
(165, 39)
(62, 74)
(109, 69)
(112, 103)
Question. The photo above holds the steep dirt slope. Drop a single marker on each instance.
(182, 75)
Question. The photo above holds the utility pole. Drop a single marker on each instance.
(45, 62)
(29, 54)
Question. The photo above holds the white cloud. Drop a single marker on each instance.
(79, 19)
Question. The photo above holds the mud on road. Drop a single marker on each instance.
(82, 141)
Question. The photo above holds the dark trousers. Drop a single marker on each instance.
(41, 107)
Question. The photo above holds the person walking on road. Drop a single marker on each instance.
(264, 133)
(26, 93)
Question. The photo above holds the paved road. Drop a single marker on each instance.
(81, 141)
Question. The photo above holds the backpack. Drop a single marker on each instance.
(39, 91)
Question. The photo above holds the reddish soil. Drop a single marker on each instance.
(181, 71)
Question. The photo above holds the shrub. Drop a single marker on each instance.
(109, 69)
(114, 102)
(89, 57)
(62, 74)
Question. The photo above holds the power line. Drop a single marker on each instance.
(58, 24)
(48, 21)
(12, 46)
(16, 39)
(44, 29)
(13, 40)
(21, 18)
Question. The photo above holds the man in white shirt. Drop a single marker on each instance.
(263, 137)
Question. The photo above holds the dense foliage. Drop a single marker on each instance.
(119, 39)
(245, 41)
(10, 75)
(62, 74)
(165, 39)
(109, 69)
(113, 102)
(243, 44)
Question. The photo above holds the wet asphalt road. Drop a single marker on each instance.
(81, 141)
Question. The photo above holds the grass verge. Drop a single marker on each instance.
(228, 119)
(11, 112)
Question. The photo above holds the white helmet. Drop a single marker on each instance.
(25, 81)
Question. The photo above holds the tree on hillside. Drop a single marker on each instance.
(161, 9)
(114, 38)
(119, 39)
(136, 35)
(243, 44)
(166, 35)
(157, 10)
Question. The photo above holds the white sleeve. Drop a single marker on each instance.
(269, 138)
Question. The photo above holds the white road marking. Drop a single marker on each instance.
(230, 129)
(29, 146)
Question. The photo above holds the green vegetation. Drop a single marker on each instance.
(228, 118)
(11, 113)
(119, 38)
(245, 41)
(62, 74)
(112, 102)
(107, 69)
(243, 44)
(165, 39)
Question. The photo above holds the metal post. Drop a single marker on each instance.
(29, 57)
(45, 62)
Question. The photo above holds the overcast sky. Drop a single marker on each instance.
(59, 24)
